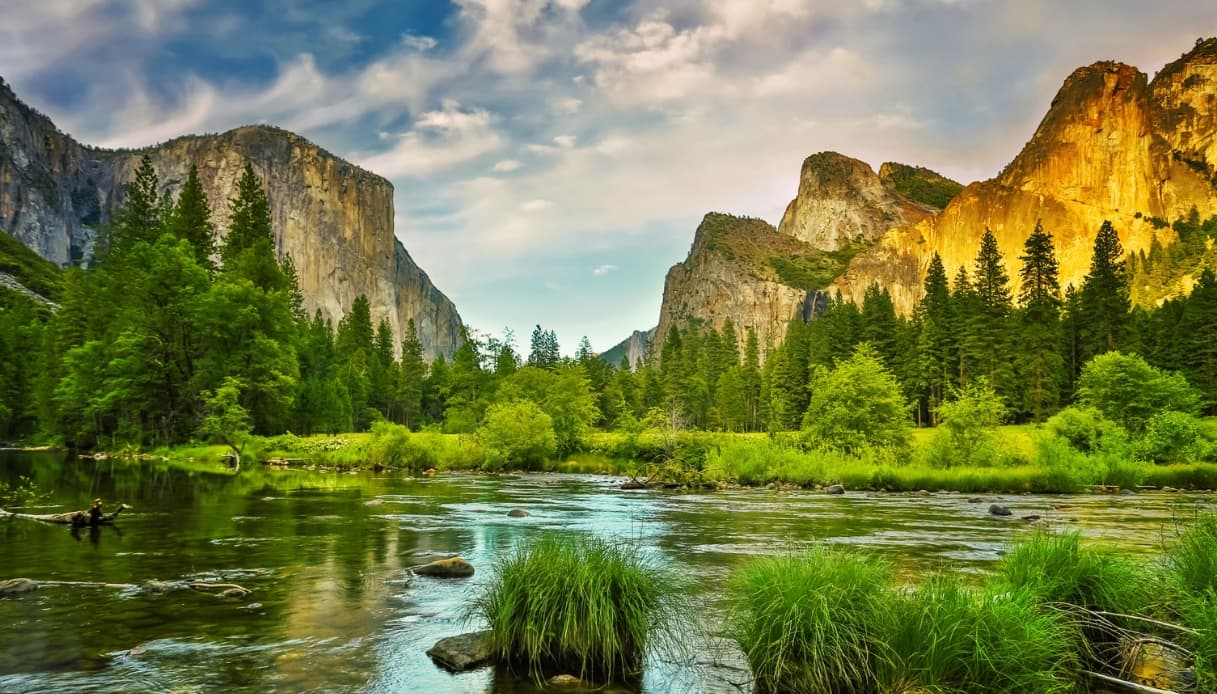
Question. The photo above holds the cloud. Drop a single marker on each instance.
(418, 43)
(344, 35)
(602, 270)
(565, 141)
(507, 165)
(568, 105)
(536, 205)
(439, 140)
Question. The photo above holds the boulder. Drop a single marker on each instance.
(518, 513)
(564, 681)
(633, 484)
(462, 653)
(974, 499)
(998, 510)
(924, 493)
(452, 567)
(834, 489)
(17, 586)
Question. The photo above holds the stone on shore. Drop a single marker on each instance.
(453, 567)
(463, 653)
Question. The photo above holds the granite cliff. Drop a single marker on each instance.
(761, 277)
(1113, 146)
(333, 219)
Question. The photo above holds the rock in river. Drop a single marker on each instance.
(518, 513)
(464, 652)
(17, 586)
(998, 510)
(834, 489)
(453, 567)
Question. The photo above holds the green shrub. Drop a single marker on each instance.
(858, 405)
(393, 445)
(1171, 437)
(517, 434)
(1191, 557)
(948, 637)
(811, 622)
(967, 435)
(1129, 391)
(583, 606)
(1085, 429)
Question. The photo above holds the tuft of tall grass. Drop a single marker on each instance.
(946, 636)
(1057, 568)
(1191, 557)
(583, 606)
(1201, 612)
(811, 622)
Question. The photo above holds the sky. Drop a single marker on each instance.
(552, 158)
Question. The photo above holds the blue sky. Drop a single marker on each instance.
(552, 158)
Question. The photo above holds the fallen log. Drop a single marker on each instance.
(17, 586)
(92, 516)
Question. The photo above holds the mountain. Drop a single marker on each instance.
(1113, 146)
(633, 349)
(333, 219)
(761, 277)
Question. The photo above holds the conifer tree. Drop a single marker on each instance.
(191, 220)
(411, 375)
(1104, 297)
(1038, 358)
(1197, 331)
(934, 338)
(986, 337)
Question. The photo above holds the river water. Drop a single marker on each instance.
(327, 557)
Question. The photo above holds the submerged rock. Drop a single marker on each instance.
(518, 513)
(834, 489)
(453, 567)
(633, 484)
(464, 652)
(564, 681)
(998, 510)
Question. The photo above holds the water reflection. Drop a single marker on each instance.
(332, 609)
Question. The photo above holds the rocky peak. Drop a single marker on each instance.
(841, 202)
(332, 218)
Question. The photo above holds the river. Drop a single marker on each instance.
(327, 555)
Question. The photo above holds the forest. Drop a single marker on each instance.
(169, 338)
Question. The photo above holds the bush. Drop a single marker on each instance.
(583, 606)
(858, 405)
(1171, 437)
(1086, 429)
(393, 445)
(969, 422)
(812, 622)
(1129, 391)
(517, 434)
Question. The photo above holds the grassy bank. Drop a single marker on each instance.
(1022, 458)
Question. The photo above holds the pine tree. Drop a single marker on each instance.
(411, 374)
(1197, 331)
(751, 377)
(1071, 338)
(965, 308)
(249, 246)
(934, 338)
(1038, 360)
(139, 220)
(987, 337)
(1104, 297)
(191, 220)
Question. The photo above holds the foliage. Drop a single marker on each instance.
(858, 404)
(518, 434)
(29, 268)
(23, 493)
(968, 423)
(922, 185)
(394, 446)
(810, 622)
(1056, 567)
(1171, 437)
(1129, 391)
(579, 605)
(1086, 429)
(225, 420)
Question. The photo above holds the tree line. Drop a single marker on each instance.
(167, 328)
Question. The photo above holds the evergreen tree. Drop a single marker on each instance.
(1104, 297)
(987, 337)
(751, 377)
(190, 220)
(1197, 331)
(1038, 359)
(934, 338)
(964, 316)
(411, 376)
(139, 219)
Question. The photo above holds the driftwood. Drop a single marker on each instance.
(17, 586)
(90, 517)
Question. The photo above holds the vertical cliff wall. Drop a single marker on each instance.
(332, 218)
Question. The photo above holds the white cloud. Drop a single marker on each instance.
(568, 106)
(418, 43)
(602, 270)
(612, 146)
(536, 205)
(508, 165)
(565, 141)
(652, 63)
(344, 35)
(439, 140)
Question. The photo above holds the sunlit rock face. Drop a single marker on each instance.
(333, 219)
(1113, 146)
(735, 267)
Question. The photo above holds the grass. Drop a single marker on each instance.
(1057, 567)
(588, 607)
(810, 622)
(835, 620)
(36, 273)
(948, 636)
